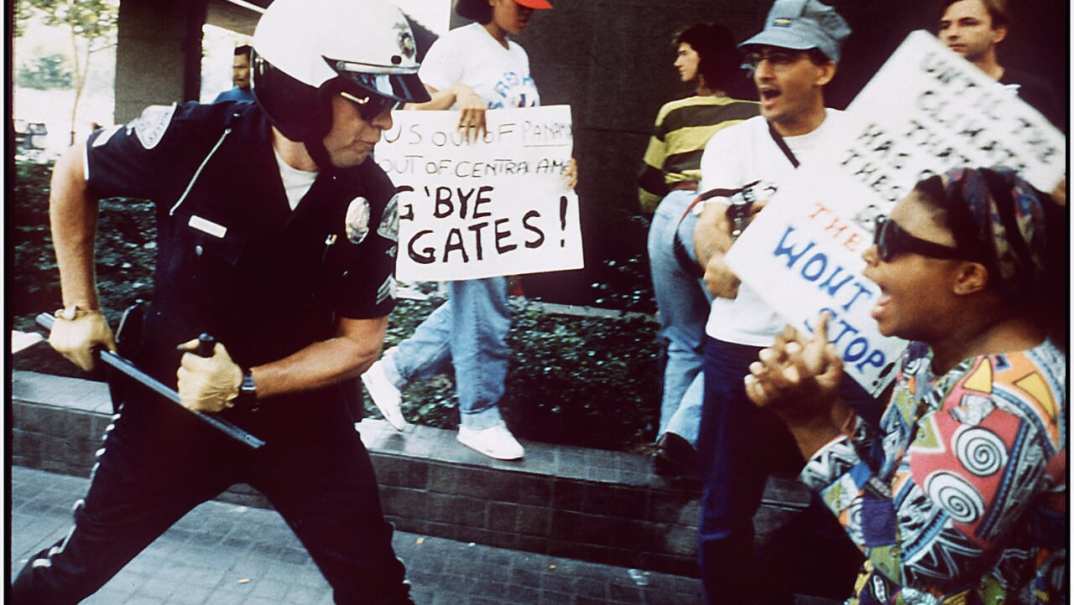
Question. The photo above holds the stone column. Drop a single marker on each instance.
(158, 56)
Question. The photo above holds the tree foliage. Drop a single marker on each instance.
(43, 73)
(91, 24)
(91, 20)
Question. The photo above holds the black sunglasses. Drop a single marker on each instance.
(371, 106)
(891, 240)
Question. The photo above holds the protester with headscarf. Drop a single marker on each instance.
(962, 495)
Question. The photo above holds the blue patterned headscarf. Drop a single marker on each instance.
(1009, 221)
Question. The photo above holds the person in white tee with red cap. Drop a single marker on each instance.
(472, 69)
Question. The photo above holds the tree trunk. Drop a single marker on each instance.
(80, 71)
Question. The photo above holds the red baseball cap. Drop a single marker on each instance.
(535, 4)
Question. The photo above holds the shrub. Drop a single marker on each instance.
(584, 381)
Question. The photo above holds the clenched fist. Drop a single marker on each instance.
(77, 332)
(208, 384)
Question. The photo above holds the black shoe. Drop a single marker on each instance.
(674, 456)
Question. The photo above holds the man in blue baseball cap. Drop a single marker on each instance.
(802, 25)
(791, 61)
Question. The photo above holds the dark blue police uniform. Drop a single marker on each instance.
(235, 261)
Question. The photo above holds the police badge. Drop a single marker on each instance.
(407, 46)
(357, 221)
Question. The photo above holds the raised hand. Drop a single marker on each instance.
(797, 379)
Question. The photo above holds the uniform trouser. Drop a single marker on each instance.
(146, 479)
(468, 331)
(740, 445)
(683, 307)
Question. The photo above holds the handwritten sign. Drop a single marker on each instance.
(497, 206)
(928, 110)
(802, 255)
(925, 111)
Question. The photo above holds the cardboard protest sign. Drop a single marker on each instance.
(802, 255)
(498, 206)
(928, 110)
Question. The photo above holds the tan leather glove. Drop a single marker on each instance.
(77, 332)
(208, 384)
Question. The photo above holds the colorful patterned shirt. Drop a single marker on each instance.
(962, 498)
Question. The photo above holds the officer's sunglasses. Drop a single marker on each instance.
(891, 240)
(371, 106)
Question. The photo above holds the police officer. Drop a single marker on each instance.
(277, 236)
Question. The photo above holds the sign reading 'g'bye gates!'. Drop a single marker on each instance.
(496, 206)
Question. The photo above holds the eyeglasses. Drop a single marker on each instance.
(892, 240)
(778, 59)
(371, 106)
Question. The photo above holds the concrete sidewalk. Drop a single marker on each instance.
(226, 554)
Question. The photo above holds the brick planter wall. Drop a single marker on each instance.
(563, 501)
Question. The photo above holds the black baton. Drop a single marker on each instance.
(125, 366)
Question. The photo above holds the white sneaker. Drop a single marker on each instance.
(494, 442)
(385, 395)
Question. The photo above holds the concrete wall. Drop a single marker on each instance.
(563, 501)
(158, 58)
(232, 16)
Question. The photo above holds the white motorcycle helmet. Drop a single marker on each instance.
(306, 51)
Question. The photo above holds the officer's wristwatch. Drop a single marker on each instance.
(247, 398)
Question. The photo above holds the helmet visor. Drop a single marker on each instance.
(370, 106)
(403, 87)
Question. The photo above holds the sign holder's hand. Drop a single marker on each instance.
(207, 384)
(1059, 194)
(76, 333)
(719, 278)
(471, 113)
(571, 174)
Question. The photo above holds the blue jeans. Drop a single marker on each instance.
(740, 445)
(468, 331)
(682, 307)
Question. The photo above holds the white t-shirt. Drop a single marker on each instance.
(736, 156)
(469, 54)
(296, 183)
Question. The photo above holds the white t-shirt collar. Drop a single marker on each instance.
(296, 183)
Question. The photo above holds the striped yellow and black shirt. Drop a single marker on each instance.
(679, 136)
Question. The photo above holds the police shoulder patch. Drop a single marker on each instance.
(389, 221)
(152, 124)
